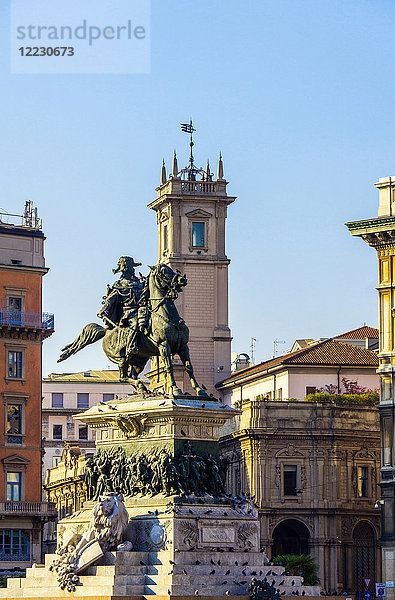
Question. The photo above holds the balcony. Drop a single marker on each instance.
(20, 321)
(198, 187)
(8, 557)
(42, 509)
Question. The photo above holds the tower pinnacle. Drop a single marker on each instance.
(208, 174)
(220, 167)
(163, 177)
(175, 165)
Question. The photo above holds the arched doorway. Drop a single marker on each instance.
(290, 537)
(364, 555)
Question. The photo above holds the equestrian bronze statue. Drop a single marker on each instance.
(141, 321)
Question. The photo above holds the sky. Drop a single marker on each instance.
(299, 98)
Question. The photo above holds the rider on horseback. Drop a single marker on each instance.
(121, 305)
(142, 321)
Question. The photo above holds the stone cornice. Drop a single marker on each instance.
(24, 269)
(157, 417)
(371, 225)
(378, 233)
(273, 434)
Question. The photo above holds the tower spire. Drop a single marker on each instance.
(220, 167)
(163, 177)
(208, 175)
(175, 165)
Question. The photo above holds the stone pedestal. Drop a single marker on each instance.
(188, 545)
(147, 424)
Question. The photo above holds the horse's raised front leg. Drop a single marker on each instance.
(165, 354)
(186, 361)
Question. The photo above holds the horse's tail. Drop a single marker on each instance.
(89, 335)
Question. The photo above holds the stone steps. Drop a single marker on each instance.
(81, 591)
(208, 590)
(222, 570)
(186, 558)
(109, 570)
(121, 574)
(215, 579)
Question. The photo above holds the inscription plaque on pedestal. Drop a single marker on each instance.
(217, 534)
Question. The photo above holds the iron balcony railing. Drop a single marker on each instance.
(12, 507)
(18, 318)
(8, 557)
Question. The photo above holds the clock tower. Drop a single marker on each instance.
(191, 209)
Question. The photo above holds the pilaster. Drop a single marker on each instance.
(380, 234)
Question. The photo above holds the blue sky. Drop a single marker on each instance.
(298, 96)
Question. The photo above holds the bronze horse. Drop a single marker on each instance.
(166, 334)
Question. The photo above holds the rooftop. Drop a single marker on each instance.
(29, 222)
(329, 352)
(361, 333)
(105, 376)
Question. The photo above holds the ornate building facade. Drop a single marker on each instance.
(380, 234)
(312, 465)
(313, 468)
(191, 209)
(23, 327)
(65, 488)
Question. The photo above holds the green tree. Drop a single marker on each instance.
(300, 564)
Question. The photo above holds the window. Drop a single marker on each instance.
(14, 544)
(15, 364)
(57, 432)
(56, 460)
(107, 397)
(310, 389)
(198, 235)
(14, 423)
(14, 310)
(165, 237)
(269, 395)
(290, 479)
(387, 435)
(363, 481)
(280, 393)
(83, 433)
(14, 486)
(57, 400)
(82, 400)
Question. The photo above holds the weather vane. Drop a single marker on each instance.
(189, 128)
(191, 170)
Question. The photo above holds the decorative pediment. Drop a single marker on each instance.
(364, 453)
(15, 462)
(290, 450)
(198, 214)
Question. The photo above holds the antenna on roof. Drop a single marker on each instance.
(275, 348)
(252, 346)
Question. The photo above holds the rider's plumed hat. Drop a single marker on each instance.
(125, 261)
